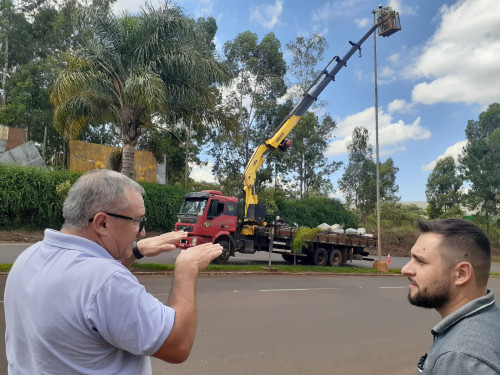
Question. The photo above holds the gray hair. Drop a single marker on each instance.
(100, 190)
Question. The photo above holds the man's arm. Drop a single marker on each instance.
(461, 363)
(152, 246)
(179, 342)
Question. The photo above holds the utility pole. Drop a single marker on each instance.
(389, 26)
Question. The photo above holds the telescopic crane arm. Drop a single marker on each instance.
(387, 23)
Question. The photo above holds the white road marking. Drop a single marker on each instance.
(293, 290)
(392, 287)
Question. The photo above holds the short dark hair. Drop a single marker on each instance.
(462, 241)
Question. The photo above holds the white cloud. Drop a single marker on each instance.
(392, 134)
(403, 9)
(331, 9)
(267, 15)
(203, 173)
(362, 23)
(204, 8)
(394, 57)
(399, 106)
(460, 62)
(453, 151)
(130, 6)
(322, 14)
(386, 72)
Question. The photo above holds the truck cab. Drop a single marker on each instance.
(208, 216)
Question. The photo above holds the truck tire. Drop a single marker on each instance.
(224, 257)
(334, 257)
(288, 258)
(319, 257)
(344, 256)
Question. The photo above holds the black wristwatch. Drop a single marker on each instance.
(136, 252)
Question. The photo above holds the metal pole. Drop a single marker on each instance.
(271, 238)
(379, 242)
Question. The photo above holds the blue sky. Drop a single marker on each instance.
(441, 70)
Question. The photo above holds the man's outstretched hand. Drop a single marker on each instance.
(152, 246)
(197, 258)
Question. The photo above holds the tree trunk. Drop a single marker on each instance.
(44, 149)
(130, 133)
(5, 69)
(166, 168)
(186, 158)
(128, 160)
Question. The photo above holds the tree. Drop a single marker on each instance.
(258, 71)
(16, 41)
(167, 149)
(306, 156)
(480, 163)
(387, 178)
(39, 33)
(309, 138)
(306, 53)
(356, 171)
(119, 76)
(359, 180)
(442, 190)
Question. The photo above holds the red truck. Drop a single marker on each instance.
(209, 216)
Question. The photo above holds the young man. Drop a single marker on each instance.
(448, 271)
(73, 307)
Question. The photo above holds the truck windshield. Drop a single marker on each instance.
(193, 207)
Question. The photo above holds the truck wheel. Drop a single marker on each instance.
(224, 257)
(319, 257)
(334, 258)
(288, 258)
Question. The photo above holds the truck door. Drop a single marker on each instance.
(222, 216)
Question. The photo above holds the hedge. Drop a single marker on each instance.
(32, 198)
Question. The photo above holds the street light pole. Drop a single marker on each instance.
(379, 265)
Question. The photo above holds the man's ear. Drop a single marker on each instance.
(463, 273)
(99, 222)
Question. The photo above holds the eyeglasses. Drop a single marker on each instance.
(141, 221)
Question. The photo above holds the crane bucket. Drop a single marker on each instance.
(388, 21)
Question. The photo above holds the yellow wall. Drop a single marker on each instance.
(87, 156)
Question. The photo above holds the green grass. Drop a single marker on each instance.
(154, 267)
(5, 267)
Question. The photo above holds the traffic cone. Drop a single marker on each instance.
(388, 260)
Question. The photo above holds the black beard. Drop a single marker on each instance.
(430, 301)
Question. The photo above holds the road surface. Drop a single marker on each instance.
(280, 324)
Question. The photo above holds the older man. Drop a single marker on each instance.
(448, 271)
(73, 307)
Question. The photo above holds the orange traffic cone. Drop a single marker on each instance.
(388, 260)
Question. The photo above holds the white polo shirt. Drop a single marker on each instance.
(71, 308)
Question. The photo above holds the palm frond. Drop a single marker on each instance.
(146, 88)
(160, 29)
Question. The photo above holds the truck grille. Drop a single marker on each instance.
(185, 228)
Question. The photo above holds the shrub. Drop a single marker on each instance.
(311, 212)
(29, 197)
(32, 198)
(163, 203)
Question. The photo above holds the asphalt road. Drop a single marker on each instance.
(289, 325)
(280, 324)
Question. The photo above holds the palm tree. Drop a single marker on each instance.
(132, 69)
